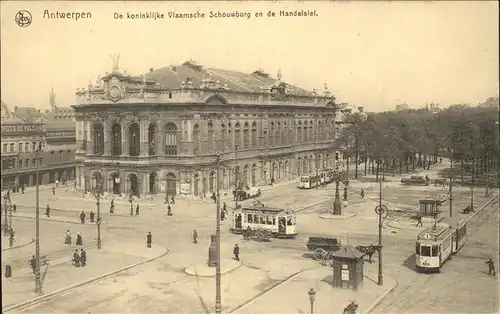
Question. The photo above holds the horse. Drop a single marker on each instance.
(368, 250)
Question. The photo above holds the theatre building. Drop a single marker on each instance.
(161, 132)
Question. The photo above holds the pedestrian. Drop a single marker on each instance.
(57, 183)
(76, 258)
(79, 240)
(33, 263)
(419, 221)
(11, 238)
(22, 188)
(91, 215)
(169, 210)
(173, 200)
(137, 210)
(149, 239)
(83, 257)
(67, 238)
(214, 197)
(222, 215)
(440, 160)
(8, 271)
(362, 193)
(166, 198)
(112, 207)
(14, 207)
(47, 211)
(195, 236)
(491, 267)
(236, 252)
(53, 190)
(224, 206)
(82, 217)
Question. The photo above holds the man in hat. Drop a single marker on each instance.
(137, 210)
(236, 252)
(91, 215)
(33, 263)
(83, 257)
(491, 267)
(195, 237)
(112, 207)
(149, 239)
(47, 211)
(76, 258)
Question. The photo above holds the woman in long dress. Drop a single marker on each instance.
(79, 240)
(67, 239)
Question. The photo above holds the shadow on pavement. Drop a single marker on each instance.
(409, 262)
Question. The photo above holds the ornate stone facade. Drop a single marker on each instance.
(157, 134)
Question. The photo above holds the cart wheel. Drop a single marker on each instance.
(318, 254)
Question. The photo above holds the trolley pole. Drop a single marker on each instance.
(38, 282)
(451, 184)
(218, 306)
(380, 275)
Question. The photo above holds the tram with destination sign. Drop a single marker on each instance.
(278, 222)
(436, 244)
(309, 181)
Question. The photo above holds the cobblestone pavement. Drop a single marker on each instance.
(463, 286)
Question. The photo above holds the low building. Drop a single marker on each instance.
(32, 139)
(162, 132)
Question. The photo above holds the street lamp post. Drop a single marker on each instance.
(130, 199)
(312, 295)
(98, 223)
(38, 282)
(380, 213)
(337, 206)
(218, 306)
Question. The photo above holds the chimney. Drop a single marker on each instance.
(151, 69)
(361, 109)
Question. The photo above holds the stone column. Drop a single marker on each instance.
(188, 142)
(88, 137)
(144, 136)
(145, 179)
(77, 175)
(160, 139)
(107, 142)
(79, 135)
(124, 129)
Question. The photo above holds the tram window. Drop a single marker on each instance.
(289, 222)
(417, 249)
(269, 220)
(435, 250)
(425, 250)
(245, 218)
(255, 219)
(262, 221)
(274, 221)
(250, 218)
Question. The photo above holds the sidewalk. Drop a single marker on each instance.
(61, 275)
(292, 295)
(19, 241)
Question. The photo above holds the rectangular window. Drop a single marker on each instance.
(34, 146)
(250, 218)
(417, 249)
(20, 147)
(33, 162)
(4, 148)
(12, 149)
(425, 250)
(435, 250)
(26, 147)
(26, 163)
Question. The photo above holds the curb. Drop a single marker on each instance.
(60, 220)
(272, 288)
(19, 246)
(50, 295)
(383, 296)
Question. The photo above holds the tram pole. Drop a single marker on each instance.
(451, 184)
(380, 212)
(218, 305)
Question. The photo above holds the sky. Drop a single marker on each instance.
(372, 54)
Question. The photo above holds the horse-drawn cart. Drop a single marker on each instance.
(322, 247)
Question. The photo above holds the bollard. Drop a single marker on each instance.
(8, 271)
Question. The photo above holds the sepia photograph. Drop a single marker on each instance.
(250, 157)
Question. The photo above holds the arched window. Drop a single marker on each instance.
(320, 131)
(116, 140)
(286, 134)
(134, 139)
(196, 139)
(171, 139)
(210, 137)
(230, 140)
(246, 136)
(237, 135)
(299, 132)
(254, 135)
(152, 139)
(279, 138)
(271, 134)
(305, 136)
(98, 139)
(84, 143)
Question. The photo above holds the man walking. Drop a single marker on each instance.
(362, 193)
(112, 207)
(149, 239)
(33, 263)
(76, 258)
(419, 221)
(236, 252)
(173, 200)
(491, 267)
(195, 237)
(137, 210)
(53, 190)
(47, 211)
(82, 217)
(14, 207)
(91, 215)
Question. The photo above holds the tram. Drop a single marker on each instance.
(436, 244)
(309, 181)
(278, 222)
(327, 175)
